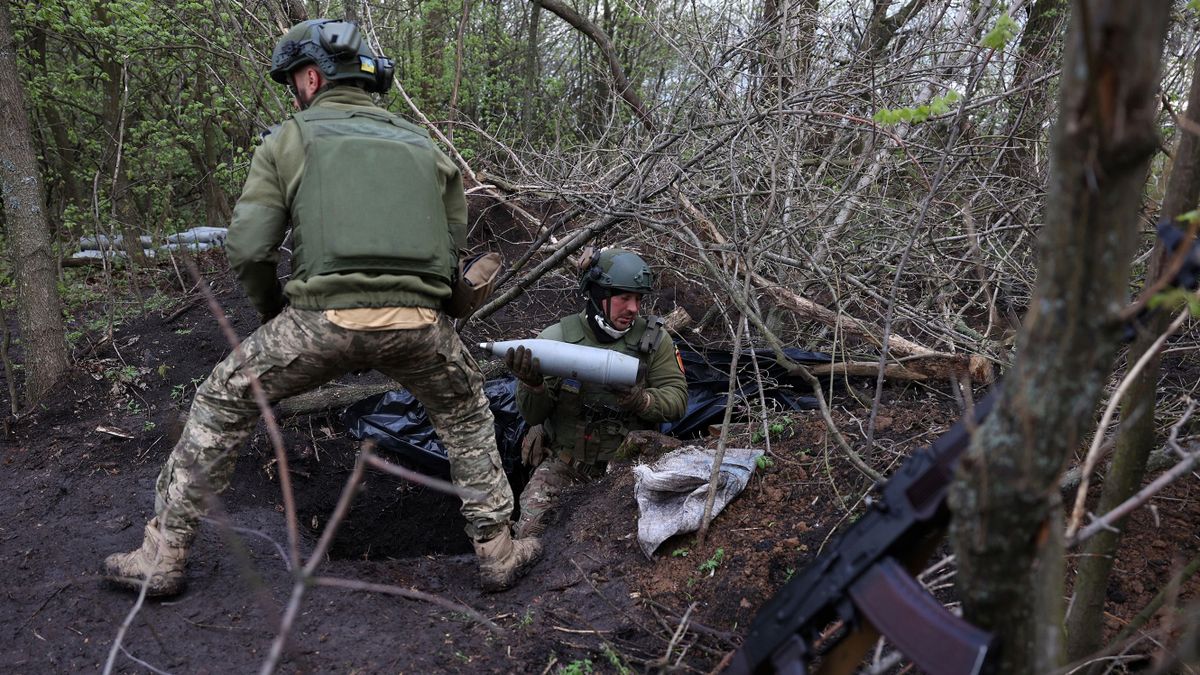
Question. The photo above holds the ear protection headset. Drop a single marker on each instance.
(591, 268)
(338, 50)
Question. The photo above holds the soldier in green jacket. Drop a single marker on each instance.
(378, 220)
(583, 423)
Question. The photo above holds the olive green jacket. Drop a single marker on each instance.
(581, 419)
(264, 213)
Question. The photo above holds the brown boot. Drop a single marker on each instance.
(502, 560)
(162, 559)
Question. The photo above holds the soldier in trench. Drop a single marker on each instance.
(378, 217)
(580, 425)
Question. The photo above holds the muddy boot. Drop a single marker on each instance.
(502, 560)
(159, 559)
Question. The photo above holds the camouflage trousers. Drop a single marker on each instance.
(539, 499)
(301, 349)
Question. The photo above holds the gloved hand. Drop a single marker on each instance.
(525, 366)
(635, 399)
(533, 446)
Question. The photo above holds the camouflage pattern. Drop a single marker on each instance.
(300, 350)
(583, 424)
(582, 420)
(540, 496)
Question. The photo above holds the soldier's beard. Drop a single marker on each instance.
(598, 319)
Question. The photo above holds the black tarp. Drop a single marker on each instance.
(397, 423)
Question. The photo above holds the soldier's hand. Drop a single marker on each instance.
(533, 446)
(635, 399)
(525, 366)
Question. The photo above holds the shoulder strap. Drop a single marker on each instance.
(573, 330)
(652, 336)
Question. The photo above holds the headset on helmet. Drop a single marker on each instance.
(337, 49)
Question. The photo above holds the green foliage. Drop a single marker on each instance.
(764, 462)
(938, 105)
(680, 553)
(1000, 34)
(710, 566)
(179, 391)
(123, 374)
(775, 429)
(1174, 299)
(1190, 217)
(1193, 6)
(577, 667)
(614, 659)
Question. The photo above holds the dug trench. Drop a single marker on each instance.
(77, 484)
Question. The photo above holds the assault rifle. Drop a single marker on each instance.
(865, 579)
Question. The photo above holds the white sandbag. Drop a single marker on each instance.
(189, 245)
(210, 235)
(103, 241)
(92, 254)
(671, 493)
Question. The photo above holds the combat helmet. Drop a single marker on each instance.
(616, 270)
(336, 48)
(607, 273)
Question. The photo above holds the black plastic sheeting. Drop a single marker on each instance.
(396, 421)
(708, 381)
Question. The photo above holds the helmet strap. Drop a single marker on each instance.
(597, 316)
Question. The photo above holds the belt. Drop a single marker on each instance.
(591, 469)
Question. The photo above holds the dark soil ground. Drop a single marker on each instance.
(77, 484)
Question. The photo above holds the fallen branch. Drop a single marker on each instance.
(866, 369)
(935, 364)
(326, 398)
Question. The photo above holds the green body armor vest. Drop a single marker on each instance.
(587, 425)
(370, 199)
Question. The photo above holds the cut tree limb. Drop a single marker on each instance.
(328, 398)
(926, 361)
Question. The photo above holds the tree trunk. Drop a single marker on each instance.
(294, 11)
(1037, 50)
(217, 212)
(1135, 439)
(39, 310)
(532, 70)
(115, 114)
(1007, 529)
